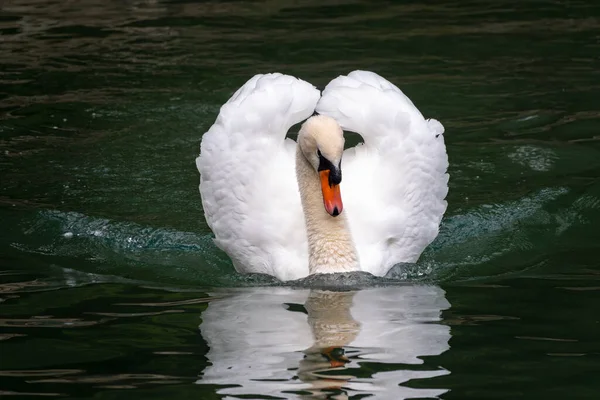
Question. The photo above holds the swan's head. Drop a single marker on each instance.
(321, 140)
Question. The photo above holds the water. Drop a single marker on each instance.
(111, 287)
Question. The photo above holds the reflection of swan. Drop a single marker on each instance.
(276, 207)
(276, 342)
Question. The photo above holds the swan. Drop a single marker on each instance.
(293, 208)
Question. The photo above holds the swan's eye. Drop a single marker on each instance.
(319, 153)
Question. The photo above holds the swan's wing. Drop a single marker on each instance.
(395, 184)
(247, 176)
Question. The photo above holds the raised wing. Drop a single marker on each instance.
(248, 182)
(395, 184)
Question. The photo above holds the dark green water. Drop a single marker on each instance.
(110, 286)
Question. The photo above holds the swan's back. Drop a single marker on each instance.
(394, 186)
(247, 176)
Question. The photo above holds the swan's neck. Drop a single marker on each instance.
(330, 246)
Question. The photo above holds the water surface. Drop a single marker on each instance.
(110, 285)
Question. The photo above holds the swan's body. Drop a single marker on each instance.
(261, 192)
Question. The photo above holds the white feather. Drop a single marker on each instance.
(248, 182)
(393, 186)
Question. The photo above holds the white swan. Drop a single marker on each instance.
(276, 207)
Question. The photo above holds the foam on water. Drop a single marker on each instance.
(520, 231)
(107, 246)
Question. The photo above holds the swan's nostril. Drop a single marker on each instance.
(335, 176)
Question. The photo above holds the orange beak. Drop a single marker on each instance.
(331, 195)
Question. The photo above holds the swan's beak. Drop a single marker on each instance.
(331, 191)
